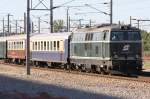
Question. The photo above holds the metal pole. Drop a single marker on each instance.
(10, 29)
(16, 26)
(3, 27)
(67, 19)
(20, 30)
(90, 22)
(25, 23)
(130, 21)
(28, 39)
(138, 24)
(111, 12)
(32, 27)
(69, 24)
(8, 25)
(51, 15)
(39, 25)
(80, 24)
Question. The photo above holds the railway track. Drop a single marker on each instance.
(144, 77)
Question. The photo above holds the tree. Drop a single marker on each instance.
(58, 25)
(146, 40)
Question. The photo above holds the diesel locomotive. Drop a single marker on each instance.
(107, 49)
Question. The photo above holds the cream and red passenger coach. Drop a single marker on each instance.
(16, 48)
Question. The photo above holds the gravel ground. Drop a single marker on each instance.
(71, 86)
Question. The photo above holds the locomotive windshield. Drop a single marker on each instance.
(125, 35)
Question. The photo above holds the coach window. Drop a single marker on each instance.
(41, 45)
(19, 45)
(14, 45)
(47, 45)
(55, 45)
(22, 46)
(51, 45)
(10, 44)
(44, 45)
(35, 44)
(38, 45)
(58, 45)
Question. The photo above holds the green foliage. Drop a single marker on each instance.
(58, 25)
(146, 40)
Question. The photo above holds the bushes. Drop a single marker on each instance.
(146, 40)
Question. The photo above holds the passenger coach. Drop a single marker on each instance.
(16, 48)
(51, 49)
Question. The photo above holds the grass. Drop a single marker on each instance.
(146, 64)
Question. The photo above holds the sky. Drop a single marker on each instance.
(122, 10)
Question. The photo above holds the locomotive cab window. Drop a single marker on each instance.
(125, 35)
(133, 35)
(117, 36)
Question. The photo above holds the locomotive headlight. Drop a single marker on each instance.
(116, 56)
(137, 56)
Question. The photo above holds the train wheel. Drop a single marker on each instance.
(83, 68)
(67, 67)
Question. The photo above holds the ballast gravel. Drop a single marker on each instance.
(69, 85)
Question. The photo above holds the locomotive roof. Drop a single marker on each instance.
(102, 28)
